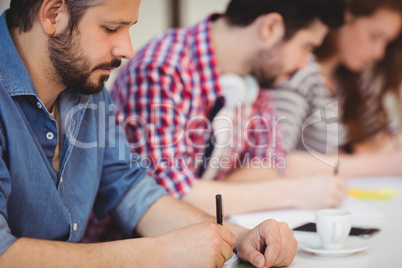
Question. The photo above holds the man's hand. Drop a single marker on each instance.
(319, 192)
(269, 244)
(201, 245)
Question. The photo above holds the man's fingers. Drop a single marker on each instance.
(226, 253)
(228, 241)
(248, 250)
(227, 236)
(255, 257)
(220, 261)
(276, 241)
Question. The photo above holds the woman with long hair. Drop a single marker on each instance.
(332, 112)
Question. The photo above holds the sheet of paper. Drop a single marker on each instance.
(233, 262)
(376, 182)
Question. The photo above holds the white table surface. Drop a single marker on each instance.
(385, 248)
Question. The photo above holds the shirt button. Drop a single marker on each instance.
(61, 179)
(75, 227)
(39, 105)
(50, 136)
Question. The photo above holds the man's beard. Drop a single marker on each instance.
(268, 67)
(72, 67)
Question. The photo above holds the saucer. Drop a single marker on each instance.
(353, 244)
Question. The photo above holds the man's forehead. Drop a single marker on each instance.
(123, 12)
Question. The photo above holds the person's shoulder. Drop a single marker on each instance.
(168, 49)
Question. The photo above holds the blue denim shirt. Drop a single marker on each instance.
(97, 170)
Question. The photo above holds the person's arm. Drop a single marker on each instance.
(252, 174)
(28, 252)
(204, 245)
(311, 192)
(364, 164)
(381, 142)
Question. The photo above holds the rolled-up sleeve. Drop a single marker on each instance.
(125, 189)
(136, 202)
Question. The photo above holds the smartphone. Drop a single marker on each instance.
(354, 231)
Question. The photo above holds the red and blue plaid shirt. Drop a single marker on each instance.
(162, 96)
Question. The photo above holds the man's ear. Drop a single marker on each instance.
(348, 17)
(271, 28)
(53, 16)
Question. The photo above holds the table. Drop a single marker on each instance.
(385, 247)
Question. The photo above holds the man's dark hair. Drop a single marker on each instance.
(23, 13)
(297, 14)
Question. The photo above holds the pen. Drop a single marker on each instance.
(219, 209)
(336, 169)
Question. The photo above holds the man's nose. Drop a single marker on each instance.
(123, 48)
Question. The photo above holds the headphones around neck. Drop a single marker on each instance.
(237, 89)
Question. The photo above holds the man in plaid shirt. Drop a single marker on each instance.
(164, 97)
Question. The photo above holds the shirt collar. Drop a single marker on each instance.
(13, 73)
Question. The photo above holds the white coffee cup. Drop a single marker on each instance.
(333, 227)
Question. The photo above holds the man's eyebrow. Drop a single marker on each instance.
(121, 22)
